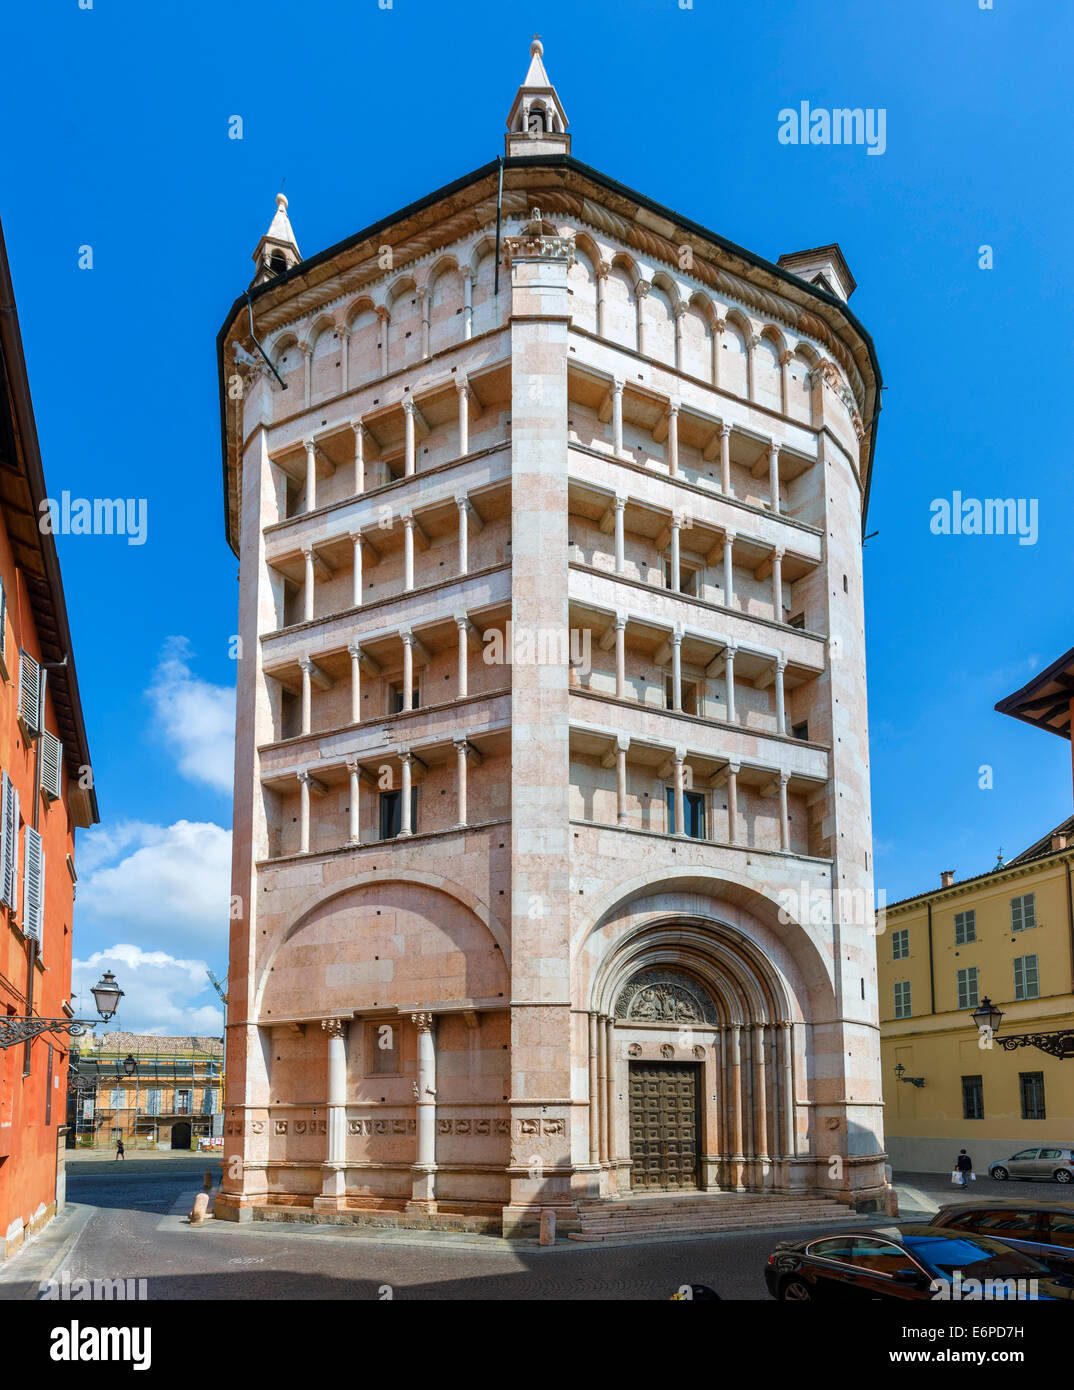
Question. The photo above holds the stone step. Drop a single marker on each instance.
(709, 1226)
(679, 1217)
(705, 1212)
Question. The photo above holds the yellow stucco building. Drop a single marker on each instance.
(1007, 935)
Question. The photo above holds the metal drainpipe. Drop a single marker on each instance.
(932, 977)
(1070, 925)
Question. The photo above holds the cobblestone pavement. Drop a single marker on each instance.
(132, 1223)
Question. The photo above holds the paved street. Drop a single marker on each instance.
(130, 1221)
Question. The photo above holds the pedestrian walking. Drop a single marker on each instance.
(119, 1149)
(963, 1168)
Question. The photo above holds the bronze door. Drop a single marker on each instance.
(664, 1125)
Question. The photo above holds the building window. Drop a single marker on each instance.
(115, 1100)
(801, 731)
(900, 944)
(690, 700)
(694, 811)
(967, 988)
(1026, 978)
(902, 998)
(965, 927)
(382, 1048)
(183, 1101)
(209, 1104)
(1023, 912)
(972, 1098)
(391, 813)
(1031, 1084)
(152, 1101)
(688, 577)
(395, 698)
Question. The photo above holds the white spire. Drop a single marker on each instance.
(537, 122)
(277, 250)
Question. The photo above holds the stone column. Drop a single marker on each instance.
(334, 1168)
(732, 802)
(676, 566)
(354, 829)
(307, 376)
(405, 827)
(307, 591)
(359, 457)
(463, 505)
(678, 310)
(784, 820)
(777, 585)
(673, 420)
(304, 812)
(781, 708)
(602, 276)
(760, 1102)
(786, 1037)
(676, 671)
(356, 684)
(729, 678)
(743, 1113)
(620, 541)
(617, 418)
(602, 1083)
(620, 656)
(462, 749)
(385, 319)
(408, 552)
(773, 474)
(464, 418)
(641, 290)
(409, 440)
(408, 670)
(752, 343)
(725, 460)
(464, 656)
(784, 363)
(622, 743)
(594, 1092)
(311, 474)
(344, 348)
(423, 303)
(467, 304)
(609, 1084)
(680, 794)
(728, 569)
(356, 590)
(423, 1173)
(306, 667)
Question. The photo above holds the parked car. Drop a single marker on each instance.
(903, 1265)
(1044, 1230)
(1054, 1161)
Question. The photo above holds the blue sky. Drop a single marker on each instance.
(123, 111)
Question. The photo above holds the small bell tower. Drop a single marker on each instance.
(537, 122)
(277, 250)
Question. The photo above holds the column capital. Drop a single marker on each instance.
(423, 1022)
(753, 341)
(730, 651)
(354, 652)
(622, 743)
(462, 386)
(617, 385)
(383, 313)
(678, 753)
(774, 446)
(305, 663)
(620, 503)
(733, 769)
(778, 554)
(674, 406)
(307, 551)
(725, 430)
(758, 1027)
(641, 289)
(408, 405)
(784, 778)
(344, 331)
(785, 356)
(334, 1027)
(676, 639)
(730, 535)
(306, 349)
(356, 537)
(781, 664)
(620, 621)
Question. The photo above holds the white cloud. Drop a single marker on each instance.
(173, 888)
(161, 993)
(197, 718)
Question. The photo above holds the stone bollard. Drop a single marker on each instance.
(201, 1207)
(548, 1227)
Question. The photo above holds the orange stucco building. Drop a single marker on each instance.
(46, 790)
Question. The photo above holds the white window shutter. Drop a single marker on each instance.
(9, 844)
(51, 763)
(29, 692)
(33, 908)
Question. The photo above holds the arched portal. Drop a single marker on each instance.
(703, 1056)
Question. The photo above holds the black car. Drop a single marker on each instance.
(915, 1262)
(1042, 1230)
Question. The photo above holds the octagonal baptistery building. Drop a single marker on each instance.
(552, 727)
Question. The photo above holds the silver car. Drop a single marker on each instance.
(1044, 1163)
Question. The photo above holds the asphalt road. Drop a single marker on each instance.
(130, 1221)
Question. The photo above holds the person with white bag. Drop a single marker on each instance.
(963, 1169)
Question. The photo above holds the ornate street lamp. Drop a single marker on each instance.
(987, 1017)
(130, 1066)
(918, 1081)
(16, 1030)
(1057, 1043)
